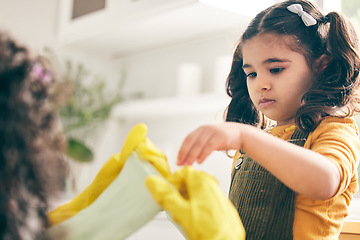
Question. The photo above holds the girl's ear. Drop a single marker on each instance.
(321, 63)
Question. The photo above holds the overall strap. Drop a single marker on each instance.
(265, 205)
(298, 137)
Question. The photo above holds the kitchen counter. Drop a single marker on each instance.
(350, 230)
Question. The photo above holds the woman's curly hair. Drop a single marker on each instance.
(31, 163)
(335, 90)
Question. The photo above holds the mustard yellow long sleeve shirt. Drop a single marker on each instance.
(338, 140)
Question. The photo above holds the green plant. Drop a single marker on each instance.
(81, 107)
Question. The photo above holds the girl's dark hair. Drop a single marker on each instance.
(31, 164)
(335, 89)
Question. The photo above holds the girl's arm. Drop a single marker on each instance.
(304, 171)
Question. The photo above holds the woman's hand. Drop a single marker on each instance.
(135, 141)
(195, 202)
(208, 138)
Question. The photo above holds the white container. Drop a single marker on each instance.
(222, 70)
(189, 80)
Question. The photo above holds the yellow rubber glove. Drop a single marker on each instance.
(195, 202)
(135, 141)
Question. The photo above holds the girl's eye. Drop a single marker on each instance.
(276, 70)
(251, 75)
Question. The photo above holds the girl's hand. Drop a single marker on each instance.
(208, 138)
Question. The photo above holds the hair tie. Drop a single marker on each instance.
(306, 18)
(325, 19)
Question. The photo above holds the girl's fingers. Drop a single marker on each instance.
(187, 153)
(213, 143)
(198, 145)
(204, 154)
(184, 149)
(192, 147)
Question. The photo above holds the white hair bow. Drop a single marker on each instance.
(306, 18)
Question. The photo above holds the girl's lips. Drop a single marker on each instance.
(264, 102)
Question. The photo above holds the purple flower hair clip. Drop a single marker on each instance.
(40, 73)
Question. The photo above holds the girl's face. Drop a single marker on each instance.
(277, 77)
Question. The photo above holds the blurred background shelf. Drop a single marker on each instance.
(204, 104)
(118, 28)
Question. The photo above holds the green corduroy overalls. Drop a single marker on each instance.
(265, 205)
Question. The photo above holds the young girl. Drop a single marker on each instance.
(294, 87)
(30, 163)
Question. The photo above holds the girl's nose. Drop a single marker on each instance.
(262, 84)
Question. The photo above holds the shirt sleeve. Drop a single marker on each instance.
(337, 139)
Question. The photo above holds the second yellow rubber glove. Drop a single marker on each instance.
(195, 202)
(136, 140)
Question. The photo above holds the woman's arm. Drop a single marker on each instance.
(303, 170)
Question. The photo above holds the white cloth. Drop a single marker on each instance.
(124, 207)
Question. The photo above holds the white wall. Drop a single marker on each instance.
(32, 22)
(153, 73)
(160, 67)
